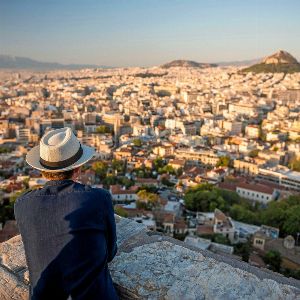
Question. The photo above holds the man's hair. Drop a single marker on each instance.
(58, 175)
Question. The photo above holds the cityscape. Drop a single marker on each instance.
(208, 155)
(193, 110)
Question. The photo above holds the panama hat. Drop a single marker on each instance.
(59, 150)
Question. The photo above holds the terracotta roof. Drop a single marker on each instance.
(117, 189)
(220, 215)
(168, 218)
(231, 186)
(180, 224)
(205, 229)
(261, 188)
(146, 180)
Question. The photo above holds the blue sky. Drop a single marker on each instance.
(148, 32)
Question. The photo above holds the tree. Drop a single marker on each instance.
(295, 164)
(240, 213)
(292, 223)
(253, 153)
(224, 161)
(147, 200)
(137, 142)
(100, 168)
(125, 182)
(121, 211)
(167, 169)
(103, 129)
(158, 163)
(204, 197)
(273, 259)
(167, 182)
(4, 149)
(243, 250)
(118, 165)
(220, 239)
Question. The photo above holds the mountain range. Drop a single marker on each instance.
(17, 62)
(280, 61)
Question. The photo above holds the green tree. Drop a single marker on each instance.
(103, 129)
(291, 224)
(295, 164)
(220, 239)
(118, 165)
(168, 169)
(224, 161)
(137, 142)
(100, 168)
(240, 213)
(204, 197)
(273, 259)
(125, 182)
(167, 182)
(121, 211)
(149, 200)
(110, 180)
(158, 163)
(4, 149)
(243, 250)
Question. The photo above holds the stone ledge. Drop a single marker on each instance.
(149, 265)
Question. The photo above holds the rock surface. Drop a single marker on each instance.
(151, 266)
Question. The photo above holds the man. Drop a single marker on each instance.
(68, 229)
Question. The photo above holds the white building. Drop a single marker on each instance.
(256, 192)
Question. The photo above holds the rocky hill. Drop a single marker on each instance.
(187, 64)
(279, 62)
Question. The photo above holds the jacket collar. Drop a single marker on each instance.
(58, 182)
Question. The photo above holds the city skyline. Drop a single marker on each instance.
(144, 33)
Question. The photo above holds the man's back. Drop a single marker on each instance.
(69, 235)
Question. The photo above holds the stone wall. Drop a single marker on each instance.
(152, 266)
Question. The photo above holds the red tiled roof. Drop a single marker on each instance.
(117, 189)
(261, 188)
(205, 229)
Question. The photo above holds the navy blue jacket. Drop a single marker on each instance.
(69, 235)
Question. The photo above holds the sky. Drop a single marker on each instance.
(148, 32)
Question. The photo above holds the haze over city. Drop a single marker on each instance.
(147, 33)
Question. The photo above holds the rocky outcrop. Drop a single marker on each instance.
(280, 57)
(152, 266)
(279, 62)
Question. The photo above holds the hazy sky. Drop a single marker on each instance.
(148, 32)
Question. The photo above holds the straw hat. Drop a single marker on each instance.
(59, 151)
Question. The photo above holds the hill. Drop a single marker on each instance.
(279, 62)
(187, 64)
(17, 62)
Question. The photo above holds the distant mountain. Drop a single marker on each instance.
(239, 63)
(16, 62)
(186, 64)
(279, 62)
